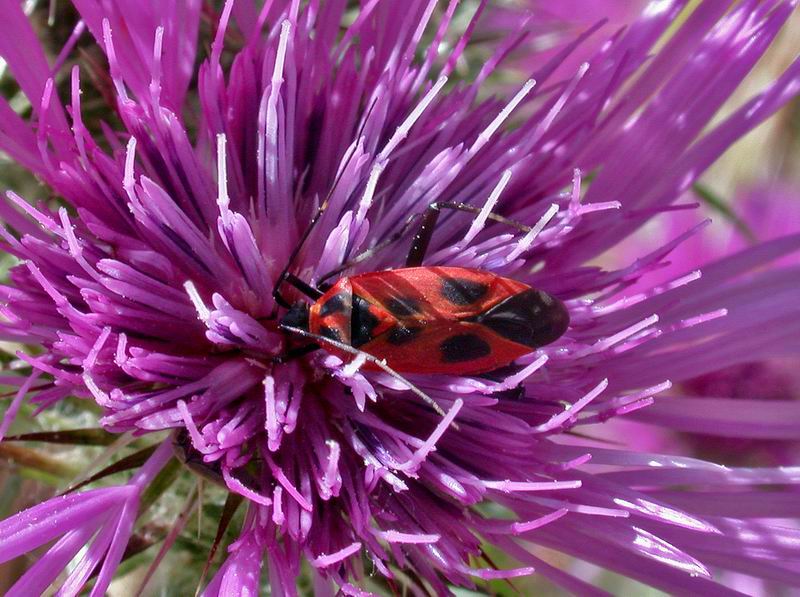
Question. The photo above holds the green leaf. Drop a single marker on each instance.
(78, 437)
(38, 461)
(135, 460)
(718, 204)
(160, 484)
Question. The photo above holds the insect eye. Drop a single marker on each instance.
(296, 316)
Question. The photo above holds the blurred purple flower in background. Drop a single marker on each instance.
(765, 392)
(536, 31)
(150, 293)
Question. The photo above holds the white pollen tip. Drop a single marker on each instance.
(223, 200)
(280, 57)
(405, 127)
(202, 311)
(353, 366)
(526, 241)
(479, 222)
(158, 42)
(490, 130)
(130, 157)
(369, 192)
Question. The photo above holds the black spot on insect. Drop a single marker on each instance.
(362, 322)
(401, 335)
(338, 303)
(329, 332)
(464, 347)
(403, 306)
(463, 292)
(532, 318)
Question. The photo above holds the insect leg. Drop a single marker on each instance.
(422, 239)
(286, 276)
(296, 353)
(304, 287)
(372, 359)
(373, 250)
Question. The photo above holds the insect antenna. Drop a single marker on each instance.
(368, 357)
(295, 252)
(285, 275)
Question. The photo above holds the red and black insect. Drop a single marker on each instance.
(440, 320)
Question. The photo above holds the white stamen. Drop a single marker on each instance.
(330, 477)
(602, 206)
(353, 366)
(292, 411)
(277, 501)
(91, 357)
(582, 509)
(369, 192)
(404, 128)
(280, 57)
(702, 318)
(518, 378)
(520, 527)
(479, 222)
(509, 486)
(271, 419)
(526, 241)
(45, 221)
(607, 343)
(281, 477)
(120, 357)
(690, 277)
(271, 121)
(551, 115)
(645, 393)
(108, 42)
(128, 180)
(223, 200)
(657, 290)
(75, 248)
(198, 441)
(576, 185)
(158, 43)
(326, 560)
(392, 536)
(490, 130)
(237, 486)
(99, 395)
(202, 311)
(413, 463)
(573, 409)
(222, 29)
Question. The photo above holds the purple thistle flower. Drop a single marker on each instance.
(152, 294)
